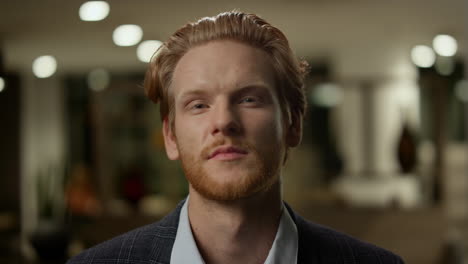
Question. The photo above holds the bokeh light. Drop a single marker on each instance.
(147, 48)
(2, 84)
(423, 56)
(98, 79)
(94, 10)
(445, 45)
(44, 66)
(461, 90)
(127, 35)
(327, 95)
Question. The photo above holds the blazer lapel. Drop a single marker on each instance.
(164, 233)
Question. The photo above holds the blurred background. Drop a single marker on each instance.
(383, 158)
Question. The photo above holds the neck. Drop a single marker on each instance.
(225, 231)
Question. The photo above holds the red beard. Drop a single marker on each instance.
(259, 174)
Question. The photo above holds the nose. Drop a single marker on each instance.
(225, 120)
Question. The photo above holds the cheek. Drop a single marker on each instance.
(188, 134)
(267, 128)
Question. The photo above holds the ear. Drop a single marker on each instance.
(294, 132)
(170, 141)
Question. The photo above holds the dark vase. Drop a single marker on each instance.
(51, 240)
(407, 157)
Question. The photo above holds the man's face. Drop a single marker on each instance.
(229, 131)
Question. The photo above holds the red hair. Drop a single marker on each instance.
(245, 28)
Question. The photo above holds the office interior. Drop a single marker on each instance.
(384, 150)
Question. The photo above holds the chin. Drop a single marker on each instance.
(231, 180)
(231, 185)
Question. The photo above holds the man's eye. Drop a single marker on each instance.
(198, 106)
(249, 99)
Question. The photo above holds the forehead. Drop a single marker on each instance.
(222, 65)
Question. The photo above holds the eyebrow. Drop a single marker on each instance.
(193, 92)
(251, 88)
(237, 92)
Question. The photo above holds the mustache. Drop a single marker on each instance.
(206, 151)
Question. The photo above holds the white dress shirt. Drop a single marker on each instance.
(283, 250)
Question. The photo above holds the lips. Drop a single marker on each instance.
(227, 153)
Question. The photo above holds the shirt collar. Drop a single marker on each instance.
(185, 249)
(283, 250)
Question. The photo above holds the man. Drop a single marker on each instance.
(232, 101)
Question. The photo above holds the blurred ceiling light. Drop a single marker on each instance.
(461, 90)
(445, 65)
(445, 45)
(147, 48)
(127, 35)
(423, 56)
(326, 94)
(44, 66)
(94, 10)
(2, 84)
(98, 80)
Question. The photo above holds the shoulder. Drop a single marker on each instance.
(320, 244)
(151, 243)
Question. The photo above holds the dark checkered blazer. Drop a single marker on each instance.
(152, 244)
